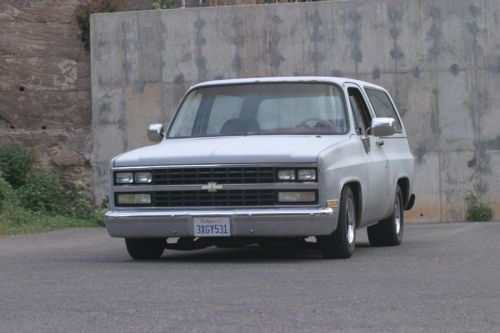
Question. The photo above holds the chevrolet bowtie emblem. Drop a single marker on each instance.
(212, 187)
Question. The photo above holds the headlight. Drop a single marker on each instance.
(297, 196)
(307, 174)
(124, 177)
(286, 175)
(134, 199)
(143, 177)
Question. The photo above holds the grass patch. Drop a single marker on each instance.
(36, 200)
(16, 220)
(477, 210)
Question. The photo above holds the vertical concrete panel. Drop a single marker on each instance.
(108, 129)
(178, 47)
(149, 41)
(107, 54)
(142, 108)
(457, 180)
(490, 177)
(427, 187)
(299, 35)
(451, 122)
(278, 27)
(417, 112)
(216, 29)
(490, 99)
(129, 43)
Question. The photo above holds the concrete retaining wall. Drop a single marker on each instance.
(439, 59)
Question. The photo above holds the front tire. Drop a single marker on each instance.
(341, 243)
(145, 248)
(389, 232)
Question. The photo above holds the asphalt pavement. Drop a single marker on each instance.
(444, 278)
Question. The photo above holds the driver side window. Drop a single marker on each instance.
(362, 118)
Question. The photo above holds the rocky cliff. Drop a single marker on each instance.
(45, 85)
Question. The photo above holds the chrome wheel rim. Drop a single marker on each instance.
(351, 218)
(397, 215)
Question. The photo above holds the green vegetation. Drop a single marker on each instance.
(163, 4)
(15, 163)
(87, 7)
(34, 200)
(476, 210)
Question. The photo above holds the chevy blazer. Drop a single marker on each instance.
(249, 161)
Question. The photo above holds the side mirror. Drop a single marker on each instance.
(383, 126)
(156, 132)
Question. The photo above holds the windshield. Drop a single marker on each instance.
(252, 109)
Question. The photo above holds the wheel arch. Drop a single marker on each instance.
(404, 185)
(355, 187)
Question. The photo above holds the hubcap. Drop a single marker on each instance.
(350, 221)
(397, 215)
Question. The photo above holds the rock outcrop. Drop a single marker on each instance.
(45, 85)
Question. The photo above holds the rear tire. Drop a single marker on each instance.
(341, 243)
(389, 232)
(145, 248)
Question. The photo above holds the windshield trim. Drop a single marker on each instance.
(344, 102)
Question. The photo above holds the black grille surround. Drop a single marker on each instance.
(219, 175)
(221, 198)
(199, 179)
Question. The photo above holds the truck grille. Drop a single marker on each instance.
(219, 198)
(219, 175)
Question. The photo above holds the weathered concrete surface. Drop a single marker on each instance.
(45, 85)
(439, 59)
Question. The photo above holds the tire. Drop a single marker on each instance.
(145, 248)
(389, 232)
(341, 243)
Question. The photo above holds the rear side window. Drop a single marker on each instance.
(382, 106)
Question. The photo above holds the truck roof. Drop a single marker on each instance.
(303, 79)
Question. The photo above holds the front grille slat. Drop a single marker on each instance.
(219, 198)
(228, 175)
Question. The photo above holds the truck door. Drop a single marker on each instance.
(395, 146)
(376, 169)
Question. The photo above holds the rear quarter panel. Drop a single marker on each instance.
(401, 164)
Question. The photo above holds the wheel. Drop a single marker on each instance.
(389, 232)
(145, 248)
(341, 243)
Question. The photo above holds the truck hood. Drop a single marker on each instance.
(231, 150)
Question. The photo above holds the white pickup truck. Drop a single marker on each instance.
(247, 161)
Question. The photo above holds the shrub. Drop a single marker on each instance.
(42, 191)
(15, 164)
(476, 210)
(6, 192)
(15, 216)
(76, 204)
(36, 199)
(163, 4)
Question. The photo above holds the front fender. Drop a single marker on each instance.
(339, 165)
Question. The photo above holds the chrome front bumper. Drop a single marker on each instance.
(278, 222)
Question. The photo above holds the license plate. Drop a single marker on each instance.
(212, 226)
